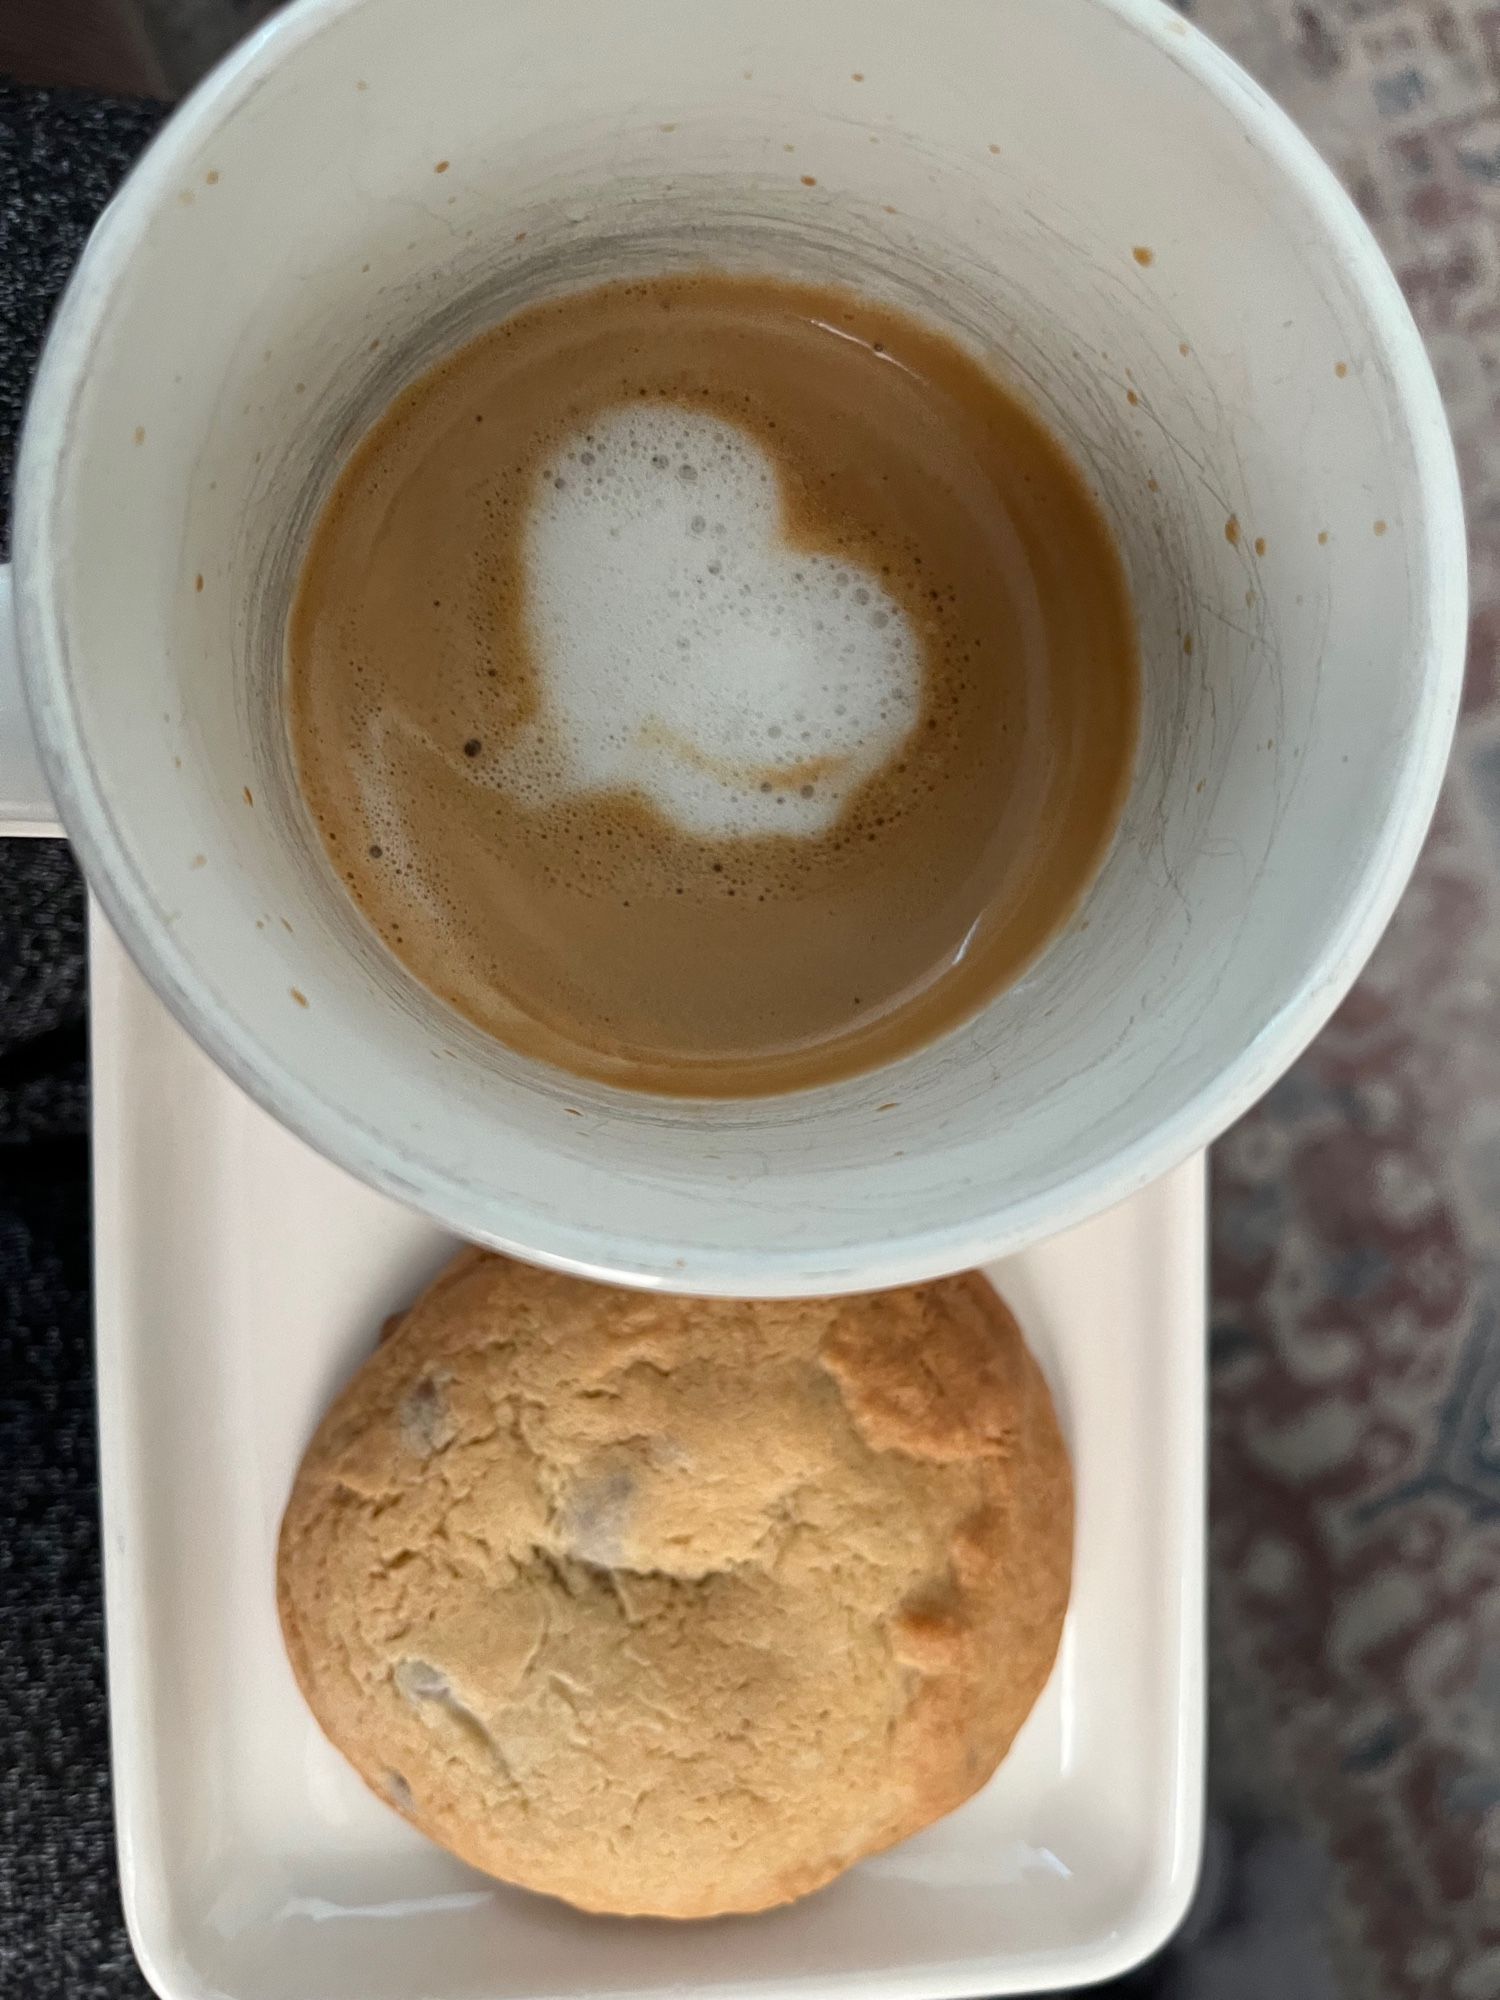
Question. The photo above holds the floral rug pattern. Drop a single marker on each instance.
(1356, 1235)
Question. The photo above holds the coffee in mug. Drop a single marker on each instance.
(713, 685)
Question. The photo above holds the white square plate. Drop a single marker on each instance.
(240, 1279)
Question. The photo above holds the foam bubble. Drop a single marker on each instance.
(686, 651)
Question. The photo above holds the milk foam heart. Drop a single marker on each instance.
(686, 652)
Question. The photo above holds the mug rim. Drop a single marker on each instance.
(1440, 576)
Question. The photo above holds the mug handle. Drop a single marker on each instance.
(26, 807)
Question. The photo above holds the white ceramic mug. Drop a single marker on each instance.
(1089, 195)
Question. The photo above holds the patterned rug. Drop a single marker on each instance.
(1356, 1272)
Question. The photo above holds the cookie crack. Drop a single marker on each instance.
(430, 1692)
